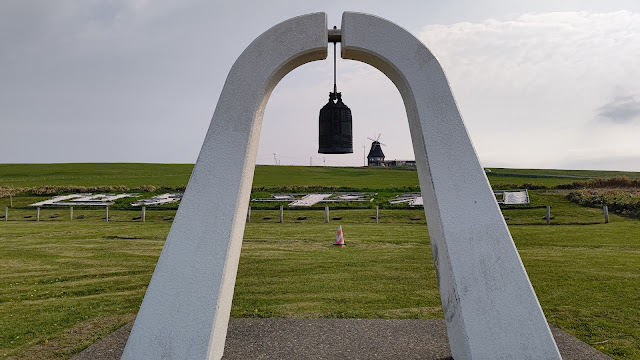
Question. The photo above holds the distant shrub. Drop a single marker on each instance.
(147, 188)
(62, 189)
(54, 190)
(612, 182)
(6, 191)
(528, 186)
(620, 201)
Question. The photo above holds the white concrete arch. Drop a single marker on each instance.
(490, 307)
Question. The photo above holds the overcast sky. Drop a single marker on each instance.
(539, 84)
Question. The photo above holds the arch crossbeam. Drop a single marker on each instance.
(490, 307)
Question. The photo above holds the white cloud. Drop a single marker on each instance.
(531, 88)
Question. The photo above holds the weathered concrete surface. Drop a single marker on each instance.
(336, 339)
(490, 307)
(185, 311)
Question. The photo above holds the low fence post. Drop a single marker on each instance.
(144, 214)
(605, 209)
(38, 214)
(70, 213)
(281, 214)
(326, 214)
(107, 213)
(10, 200)
(249, 215)
(6, 214)
(548, 217)
(377, 215)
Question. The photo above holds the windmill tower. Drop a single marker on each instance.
(376, 156)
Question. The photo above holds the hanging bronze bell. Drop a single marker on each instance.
(335, 135)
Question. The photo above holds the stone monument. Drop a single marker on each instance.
(490, 307)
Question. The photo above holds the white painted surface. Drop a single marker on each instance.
(167, 198)
(490, 307)
(277, 197)
(83, 200)
(185, 312)
(418, 201)
(310, 200)
(516, 197)
(412, 199)
(56, 200)
(100, 199)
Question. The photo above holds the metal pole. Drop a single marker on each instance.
(606, 214)
(107, 213)
(70, 213)
(377, 215)
(281, 214)
(144, 214)
(38, 214)
(548, 214)
(249, 215)
(326, 214)
(335, 87)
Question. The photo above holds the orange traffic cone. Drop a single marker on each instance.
(340, 237)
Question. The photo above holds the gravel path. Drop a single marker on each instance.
(335, 339)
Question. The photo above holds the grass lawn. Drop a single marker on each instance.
(57, 275)
(177, 175)
(95, 174)
(63, 284)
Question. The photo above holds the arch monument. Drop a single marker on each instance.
(490, 307)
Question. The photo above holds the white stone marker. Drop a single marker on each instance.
(70, 213)
(548, 215)
(490, 307)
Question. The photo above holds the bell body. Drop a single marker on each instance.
(335, 135)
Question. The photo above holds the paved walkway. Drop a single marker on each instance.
(335, 339)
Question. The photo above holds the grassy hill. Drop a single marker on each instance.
(177, 175)
(98, 174)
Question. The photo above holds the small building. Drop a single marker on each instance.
(376, 156)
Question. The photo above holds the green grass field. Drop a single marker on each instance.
(65, 284)
(177, 175)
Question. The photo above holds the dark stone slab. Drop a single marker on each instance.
(335, 339)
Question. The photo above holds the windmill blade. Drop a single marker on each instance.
(379, 134)
(371, 139)
(382, 143)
